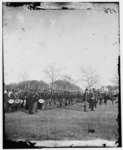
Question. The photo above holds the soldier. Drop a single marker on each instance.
(95, 97)
(112, 97)
(105, 98)
(12, 96)
(86, 97)
(35, 102)
(50, 99)
(40, 97)
(100, 98)
(91, 100)
(6, 98)
(45, 97)
(30, 101)
(90, 95)
(27, 99)
(66, 98)
(60, 100)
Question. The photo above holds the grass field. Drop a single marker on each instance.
(69, 123)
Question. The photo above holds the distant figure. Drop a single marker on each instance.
(27, 99)
(12, 95)
(95, 97)
(6, 98)
(91, 100)
(100, 98)
(112, 97)
(105, 98)
(35, 101)
(33, 98)
(86, 97)
(30, 102)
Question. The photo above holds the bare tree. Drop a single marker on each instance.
(66, 78)
(53, 73)
(115, 80)
(89, 76)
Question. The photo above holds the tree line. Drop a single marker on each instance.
(41, 85)
(57, 81)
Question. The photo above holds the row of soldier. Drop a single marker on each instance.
(91, 97)
(31, 99)
(94, 97)
(55, 99)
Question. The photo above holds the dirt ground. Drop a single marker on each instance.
(70, 123)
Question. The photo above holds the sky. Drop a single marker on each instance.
(35, 39)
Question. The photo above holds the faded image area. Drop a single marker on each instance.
(61, 68)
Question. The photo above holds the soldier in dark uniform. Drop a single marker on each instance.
(27, 99)
(105, 98)
(40, 97)
(90, 95)
(30, 101)
(112, 97)
(50, 99)
(35, 102)
(12, 96)
(91, 100)
(6, 98)
(66, 98)
(60, 99)
(100, 98)
(63, 99)
(95, 97)
(86, 97)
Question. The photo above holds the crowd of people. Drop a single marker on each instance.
(32, 100)
(93, 97)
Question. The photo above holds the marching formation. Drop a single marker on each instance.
(32, 100)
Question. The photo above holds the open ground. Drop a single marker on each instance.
(70, 123)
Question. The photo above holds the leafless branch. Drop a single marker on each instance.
(89, 76)
(52, 72)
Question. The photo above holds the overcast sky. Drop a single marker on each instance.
(34, 39)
